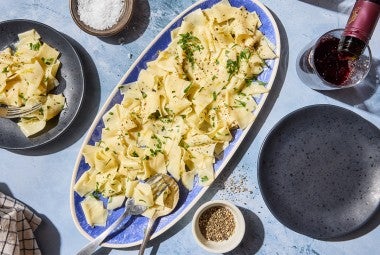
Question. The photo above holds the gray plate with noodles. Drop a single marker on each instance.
(70, 78)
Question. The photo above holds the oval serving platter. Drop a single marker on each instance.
(71, 84)
(133, 228)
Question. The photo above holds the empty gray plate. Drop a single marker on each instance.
(319, 171)
(71, 84)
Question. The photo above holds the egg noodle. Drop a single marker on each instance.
(26, 78)
(179, 114)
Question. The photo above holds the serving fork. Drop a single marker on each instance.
(158, 185)
(12, 112)
(173, 197)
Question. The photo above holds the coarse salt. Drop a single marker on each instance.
(100, 14)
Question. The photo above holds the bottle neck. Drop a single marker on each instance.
(363, 20)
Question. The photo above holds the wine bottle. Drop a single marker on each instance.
(359, 28)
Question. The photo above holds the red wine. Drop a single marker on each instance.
(330, 64)
(359, 28)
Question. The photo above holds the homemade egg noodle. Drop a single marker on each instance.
(27, 75)
(179, 114)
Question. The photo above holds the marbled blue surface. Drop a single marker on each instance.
(41, 177)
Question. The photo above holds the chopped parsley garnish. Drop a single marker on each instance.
(47, 61)
(159, 142)
(241, 103)
(5, 70)
(245, 54)
(232, 67)
(187, 88)
(96, 193)
(214, 95)
(154, 153)
(155, 115)
(261, 83)
(166, 119)
(204, 179)
(248, 81)
(183, 144)
(35, 46)
(21, 95)
(189, 44)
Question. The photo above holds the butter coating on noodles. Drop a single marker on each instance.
(27, 76)
(178, 116)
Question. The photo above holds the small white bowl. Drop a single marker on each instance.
(115, 29)
(222, 246)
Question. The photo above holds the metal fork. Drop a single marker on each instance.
(12, 112)
(158, 185)
(174, 197)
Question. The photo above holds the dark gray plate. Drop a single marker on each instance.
(319, 171)
(71, 83)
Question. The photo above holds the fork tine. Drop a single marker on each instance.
(15, 112)
(158, 185)
(20, 112)
(160, 189)
(24, 109)
(154, 179)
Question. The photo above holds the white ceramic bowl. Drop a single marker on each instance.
(222, 246)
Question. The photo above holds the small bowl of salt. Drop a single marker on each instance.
(101, 18)
(218, 226)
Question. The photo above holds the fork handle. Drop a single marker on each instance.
(147, 234)
(92, 246)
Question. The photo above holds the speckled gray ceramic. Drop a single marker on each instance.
(71, 84)
(319, 171)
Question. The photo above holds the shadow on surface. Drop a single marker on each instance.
(136, 26)
(47, 235)
(102, 251)
(252, 220)
(332, 5)
(365, 96)
(86, 114)
(5, 189)
(120, 228)
(254, 234)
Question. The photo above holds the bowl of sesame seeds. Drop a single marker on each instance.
(218, 226)
(101, 18)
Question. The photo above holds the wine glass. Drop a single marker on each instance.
(322, 67)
